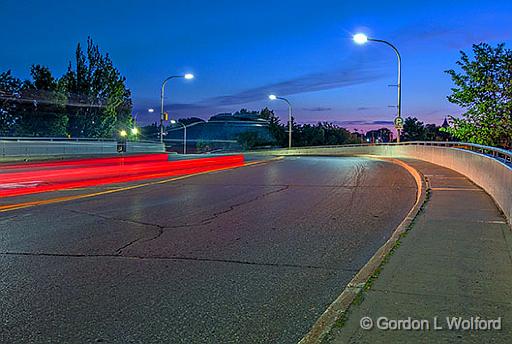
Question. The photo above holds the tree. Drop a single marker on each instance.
(379, 135)
(414, 130)
(42, 109)
(10, 88)
(99, 102)
(150, 132)
(483, 88)
(190, 120)
(250, 139)
(277, 130)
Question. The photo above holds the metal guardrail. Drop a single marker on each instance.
(498, 153)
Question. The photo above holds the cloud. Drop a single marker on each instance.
(364, 122)
(349, 75)
(317, 109)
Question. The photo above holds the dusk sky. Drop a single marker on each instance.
(241, 51)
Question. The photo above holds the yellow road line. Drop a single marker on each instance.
(16, 206)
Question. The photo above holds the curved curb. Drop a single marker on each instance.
(339, 307)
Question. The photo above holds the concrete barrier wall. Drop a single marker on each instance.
(47, 148)
(144, 147)
(29, 148)
(494, 176)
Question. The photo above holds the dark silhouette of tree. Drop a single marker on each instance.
(277, 130)
(10, 88)
(42, 110)
(99, 102)
(190, 120)
(378, 135)
(414, 130)
(90, 100)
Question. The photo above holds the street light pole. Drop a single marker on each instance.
(184, 135)
(186, 76)
(274, 97)
(361, 39)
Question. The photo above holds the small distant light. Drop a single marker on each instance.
(189, 76)
(172, 121)
(151, 110)
(360, 38)
(367, 140)
(135, 131)
(123, 133)
(272, 97)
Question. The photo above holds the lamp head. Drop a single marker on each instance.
(189, 76)
(172, 121)
(135, 130)
(360, 38)
(272, 97)
(151, 110)
(123, 133)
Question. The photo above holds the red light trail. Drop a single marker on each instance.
(30, 178)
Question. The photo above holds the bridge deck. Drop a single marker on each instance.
(455, 262)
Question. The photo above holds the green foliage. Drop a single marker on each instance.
(414, 130)
(90, 100)
(45, 115)
(251, 139)
(101, 103)
(190, 120)
(277, 131)
(379, 135)
(483, 88)
(203, 146)
(150, 132)
(320, 134)
(10, 88)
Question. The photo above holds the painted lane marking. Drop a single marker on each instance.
(32, 183)
(10, 207)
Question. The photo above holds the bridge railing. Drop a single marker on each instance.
(498, 153)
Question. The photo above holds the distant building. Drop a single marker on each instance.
(219, 132)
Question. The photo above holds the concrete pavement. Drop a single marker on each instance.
(454, 262)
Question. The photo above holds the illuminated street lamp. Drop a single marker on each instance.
(123, 133)
(135, 131)
(274, 97)
(172, 121)
(151, 110)
(361, 38)
(187, 76)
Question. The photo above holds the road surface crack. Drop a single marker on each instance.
(236, 205)
(144, 238)
(176, 258)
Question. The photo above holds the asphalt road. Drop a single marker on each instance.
(249, 255)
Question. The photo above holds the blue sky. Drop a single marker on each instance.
(240, 51)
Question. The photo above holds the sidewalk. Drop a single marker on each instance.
(454, 262)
